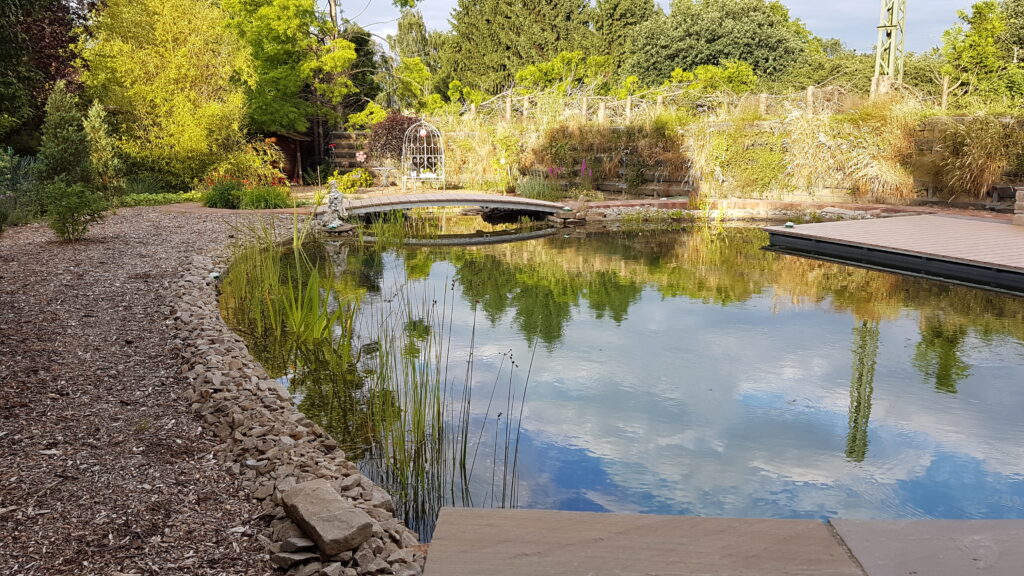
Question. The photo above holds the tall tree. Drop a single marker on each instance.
(169, 69)
(978, 58)
(699, 32)
(35, 38)
(493, 39)
(615, 22)
(300, 64)
(412, 39)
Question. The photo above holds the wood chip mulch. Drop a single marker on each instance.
(103, 468)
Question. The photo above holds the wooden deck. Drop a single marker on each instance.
(437, 199)
(474, 542)
(979, 252)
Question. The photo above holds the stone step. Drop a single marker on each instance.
(361, 135)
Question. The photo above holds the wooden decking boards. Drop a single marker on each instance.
(479, 542)
(980, 252)
(475, 542)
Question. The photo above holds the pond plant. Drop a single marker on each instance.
(376, 370)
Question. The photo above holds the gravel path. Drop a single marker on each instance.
(104, 468)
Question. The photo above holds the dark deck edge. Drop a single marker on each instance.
(1005, 280)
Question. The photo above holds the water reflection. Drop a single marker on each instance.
(693, 373)
(862, 386)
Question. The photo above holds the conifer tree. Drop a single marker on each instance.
(496, 38)
(615, 22)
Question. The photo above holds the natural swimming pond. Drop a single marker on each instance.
(676, 372)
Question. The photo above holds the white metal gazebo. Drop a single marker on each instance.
(422, 155)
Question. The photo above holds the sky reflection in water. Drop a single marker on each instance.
(691, 372)
(740, 395)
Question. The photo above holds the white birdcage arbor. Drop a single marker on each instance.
(422, 155)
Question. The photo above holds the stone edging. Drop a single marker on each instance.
(272, 447)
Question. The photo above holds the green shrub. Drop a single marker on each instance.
(223, 194)
(264, 198)
(352, 181)
(144, 185)
(254, 165)
(71, 208)
(159, 199)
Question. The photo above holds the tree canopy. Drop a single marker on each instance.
(299, 63)
(170, 71)
(493, 39)
(701, 32)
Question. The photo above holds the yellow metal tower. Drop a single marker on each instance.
(889, 50)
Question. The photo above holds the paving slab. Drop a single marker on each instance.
(936, 547)
(473, 542)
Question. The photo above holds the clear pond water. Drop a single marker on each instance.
(688, 372)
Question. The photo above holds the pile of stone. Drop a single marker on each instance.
(327, 518)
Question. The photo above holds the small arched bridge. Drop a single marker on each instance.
(378, 204)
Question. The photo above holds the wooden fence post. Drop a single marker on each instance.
(661, 102)
(629, 107)
(602, 112)
(508, 109)
(526, 107)
(584, 105)
(945, 92)
(810, 99)
(472, 110)
(762, 104)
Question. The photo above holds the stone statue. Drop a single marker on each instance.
(332, 219)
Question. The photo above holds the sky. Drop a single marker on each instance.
(852, 21)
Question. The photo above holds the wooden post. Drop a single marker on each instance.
(526, 107)
(508, 109)
(810, 99)
(945, 92)
(472, 109)
(629, 107)
(762, 104)
(584, 107)
(661, 102)
(602, 112)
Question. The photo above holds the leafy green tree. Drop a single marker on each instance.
(615, 22)
(978, 59)
(1014, 11)
(365, 69)
(706, 32)
(493, 39)
(299, 66)
(170, 69)
(412, 39)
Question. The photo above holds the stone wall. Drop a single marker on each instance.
(1018, 209)
(323, 517)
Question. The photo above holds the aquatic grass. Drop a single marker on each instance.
(406, 411)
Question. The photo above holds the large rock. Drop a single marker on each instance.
(333, 524)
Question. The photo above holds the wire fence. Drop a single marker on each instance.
(589, 107)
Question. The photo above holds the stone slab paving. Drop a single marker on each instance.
(936, 547)
(470, 542)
